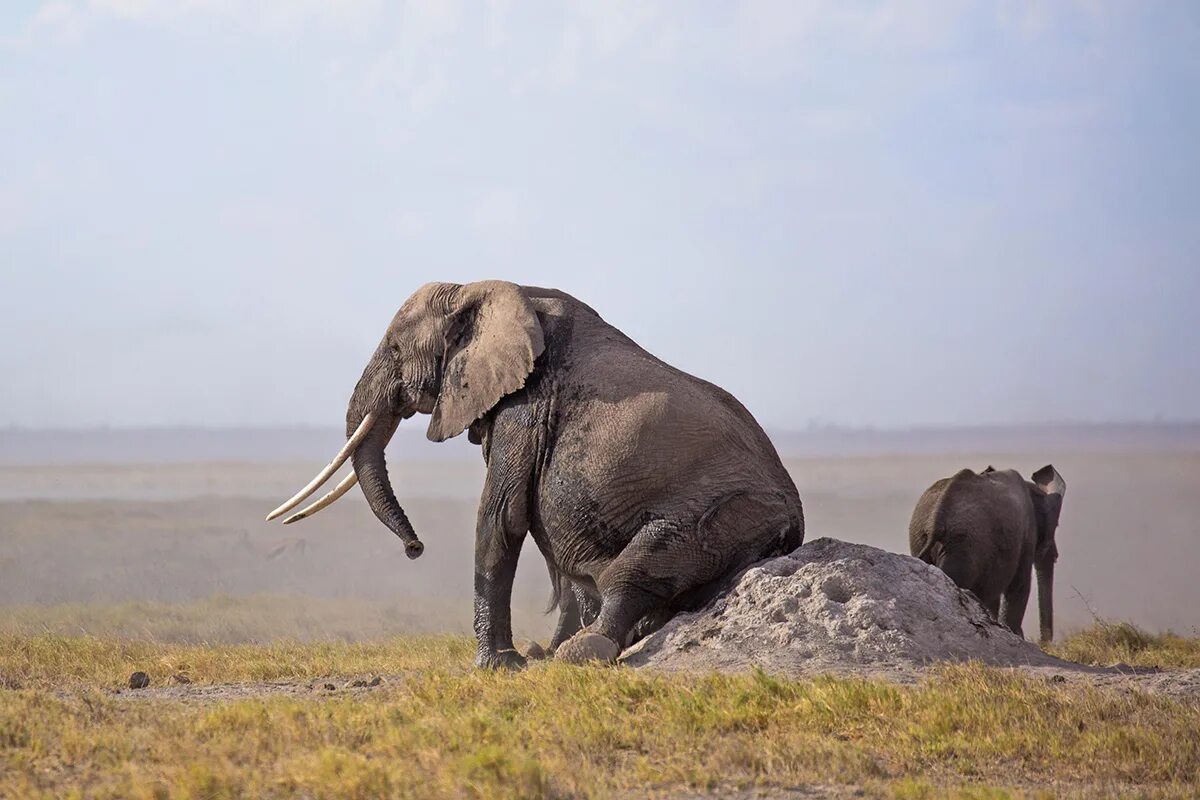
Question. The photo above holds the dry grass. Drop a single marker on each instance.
(1107, 643)
(51, 662)
(225, 620)
(439, 729)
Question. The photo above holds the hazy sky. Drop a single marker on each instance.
(889, 214)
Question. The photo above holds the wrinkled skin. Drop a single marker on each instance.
(578, 608)
(642, 486)
(988, 531)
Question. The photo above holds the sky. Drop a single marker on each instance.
(889, 214)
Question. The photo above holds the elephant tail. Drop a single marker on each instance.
(557, 581)
(931, 540)
(925, 548)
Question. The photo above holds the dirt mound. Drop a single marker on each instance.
(836, 606)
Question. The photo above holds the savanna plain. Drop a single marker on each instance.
(317, 661)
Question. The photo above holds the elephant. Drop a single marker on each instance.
(577, 609)
(987, 530)
(642, 486)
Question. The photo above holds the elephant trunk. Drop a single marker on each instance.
(1045, 579)
(370, 466)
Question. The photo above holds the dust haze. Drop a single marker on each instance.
(161, 534)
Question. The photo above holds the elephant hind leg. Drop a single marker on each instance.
(639, 581)
(648, 624)
(569, 622)
(579, 609)
(665, 561)
(1014, 602)
(622, 606)
(635, 586)
(960, 568)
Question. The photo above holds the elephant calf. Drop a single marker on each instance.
(987, 531)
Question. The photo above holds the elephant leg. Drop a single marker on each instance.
(1016, 598)
(495, 568)
(664, 560)
(691, 600)
(589, 605)
(960, 567)
(499, 532)
(630, 588)
(569, 620)
(649, 624)
(579, 609)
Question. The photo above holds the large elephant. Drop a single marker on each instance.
(987, 531)
(640, 484)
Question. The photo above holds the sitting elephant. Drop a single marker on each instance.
(987, 531)
(642, 485)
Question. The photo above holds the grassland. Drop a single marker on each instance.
(224, 619)
(171, 571)
(1107, 643)
(436, 728)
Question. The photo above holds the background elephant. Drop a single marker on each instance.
(987, 530)
(641, 484)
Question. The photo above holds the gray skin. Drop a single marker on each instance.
(987, 531)
(578, 608)
(642, 485)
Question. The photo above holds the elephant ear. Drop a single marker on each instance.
(492, 341)
(1048, 491)
(1049, 481)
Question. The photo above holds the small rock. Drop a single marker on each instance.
(330, 687)
(535, 651)
(181, 678)
(139, 680)
(363, 683)
(1058, 679)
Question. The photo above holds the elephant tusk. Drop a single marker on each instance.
(343, 455)
(346, 485)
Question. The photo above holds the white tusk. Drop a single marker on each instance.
(364, 428)
(346, 485)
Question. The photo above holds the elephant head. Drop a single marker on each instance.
(1047, 489)
(452, 351)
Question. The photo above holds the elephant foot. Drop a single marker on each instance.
(501, 659)
(586, 646)
(535, 652)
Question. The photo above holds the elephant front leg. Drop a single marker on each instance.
(495, 566)
(500, 528)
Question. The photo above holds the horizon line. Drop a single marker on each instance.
(812, 427)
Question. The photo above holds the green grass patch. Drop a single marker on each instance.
(438, 729)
